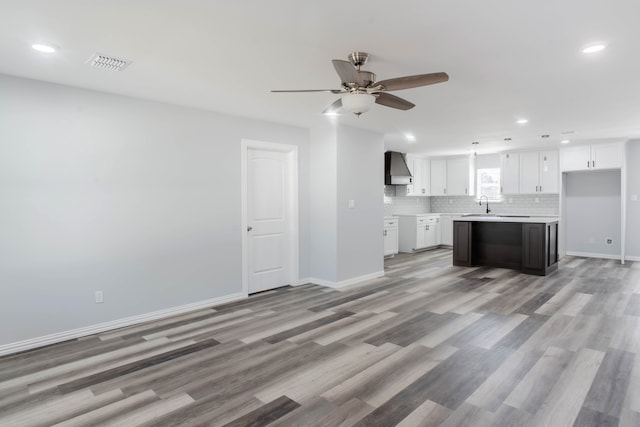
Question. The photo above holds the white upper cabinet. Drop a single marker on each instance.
(607, 156)
(549, 172)
(451, 177)
(510, 173)
(539, 172)
(457, 177)
(591, 157)
(529, 168)
(420, 171)
(438, 177)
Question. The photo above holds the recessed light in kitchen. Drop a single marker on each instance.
(410, 137)
(565, 141)
(44, 47)
(522, 121)
(594, 47)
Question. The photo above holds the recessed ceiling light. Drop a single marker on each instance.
(410, 137)
(593, 48)
(44, 48)
(522, 121)
(565, 141)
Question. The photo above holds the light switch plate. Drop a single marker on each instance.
(634, 197)
(351, 204)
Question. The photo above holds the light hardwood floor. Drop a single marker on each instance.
(427, 345)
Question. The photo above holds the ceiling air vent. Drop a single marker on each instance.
(108, 63)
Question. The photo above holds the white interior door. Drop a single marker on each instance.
(269, 219)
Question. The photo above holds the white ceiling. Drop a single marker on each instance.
(506, 59)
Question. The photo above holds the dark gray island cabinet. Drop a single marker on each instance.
(527, 244)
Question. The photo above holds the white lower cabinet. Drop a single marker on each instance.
(446, 227)
(390, 236)
(418, 232)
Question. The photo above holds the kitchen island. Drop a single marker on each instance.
(524, 243)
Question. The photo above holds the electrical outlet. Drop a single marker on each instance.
(351, 204)
(634, 197)
(609, 241)
(99, 297)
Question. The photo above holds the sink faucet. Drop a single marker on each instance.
(488, 210)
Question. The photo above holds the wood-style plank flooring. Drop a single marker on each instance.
(427, 345)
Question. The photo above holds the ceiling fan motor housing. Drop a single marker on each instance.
(358, 58)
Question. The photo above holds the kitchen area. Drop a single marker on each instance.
(426, 196)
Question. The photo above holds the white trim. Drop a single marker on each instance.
(302, 281)
(344, 283)
(593, 255)
(623, 200)
(632, 258)
(294, 207)
(114, 324)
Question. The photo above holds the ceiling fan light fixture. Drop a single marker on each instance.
(358, 103)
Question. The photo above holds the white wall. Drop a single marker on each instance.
(135, 198)
(323, 255)
(347, 164)
(593, 212)
(633, 206)
(361, 179)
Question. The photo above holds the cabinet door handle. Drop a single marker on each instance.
(541, 188)
(593, 163)
(465, 191)
(587, 163)
(445, 191)
(501, 190)
(385, 233)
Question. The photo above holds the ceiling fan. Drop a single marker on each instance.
(362, 90)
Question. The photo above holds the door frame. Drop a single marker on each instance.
(292, 151)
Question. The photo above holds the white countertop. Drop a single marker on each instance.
(506, 218)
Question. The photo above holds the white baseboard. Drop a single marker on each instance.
(632, 258)
(302, 281)
(348, 282)
(593, 255)
(114, 324)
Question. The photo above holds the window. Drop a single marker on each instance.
(488, 184)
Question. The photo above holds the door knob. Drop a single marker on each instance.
(249, 228)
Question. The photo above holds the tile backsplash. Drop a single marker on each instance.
(403, 205)
(529, 204)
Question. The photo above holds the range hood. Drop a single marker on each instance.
(396, 171)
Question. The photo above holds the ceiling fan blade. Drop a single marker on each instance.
(309, 90)
(393, 101)
(333, 108)
(408, 82)
(346, 71)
